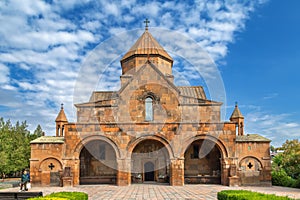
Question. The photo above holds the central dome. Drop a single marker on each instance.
(147, 48)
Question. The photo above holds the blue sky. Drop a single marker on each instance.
(254, 44)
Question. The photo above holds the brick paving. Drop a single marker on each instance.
(160, 191)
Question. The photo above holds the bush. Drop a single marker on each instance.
(247, 195)
(70, 195)
(64, 196)
(48, 198)
(280, 178)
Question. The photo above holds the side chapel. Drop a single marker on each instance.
(150, 130)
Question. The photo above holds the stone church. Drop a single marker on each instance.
(150, 130)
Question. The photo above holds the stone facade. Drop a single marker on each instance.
(150, 130)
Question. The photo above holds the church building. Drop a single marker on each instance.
(150, 130)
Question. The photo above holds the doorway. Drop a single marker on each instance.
(98, 163)
(150, 162)
(149, 171)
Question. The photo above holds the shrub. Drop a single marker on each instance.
(48, 198)
(70, 195)
(280, 178)
(64, 196)
(247, 195)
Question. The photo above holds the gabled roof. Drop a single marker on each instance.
(61, 117)
(236, 113)
(251, 138)
(149, 63)
(146, 45)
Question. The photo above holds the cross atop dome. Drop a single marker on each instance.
(146, 22)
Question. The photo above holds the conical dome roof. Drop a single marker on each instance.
(236, 113)
(147, 45)
(61, 117)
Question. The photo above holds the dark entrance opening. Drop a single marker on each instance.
(54, 178)
(149, 171)
(150, 162)
(98, 163)
(202, 163)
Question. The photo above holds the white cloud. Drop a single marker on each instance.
(4, 74)
(276, 127)
(270, 96)
(50, 41)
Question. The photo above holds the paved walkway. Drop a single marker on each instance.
(155, 191)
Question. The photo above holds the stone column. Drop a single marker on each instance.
(224, 172)
(177, 172)
(124, 172)
(233, 179)
(76, 172)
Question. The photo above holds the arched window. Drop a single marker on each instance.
(148, 109)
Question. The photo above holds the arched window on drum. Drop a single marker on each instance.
(148, 109)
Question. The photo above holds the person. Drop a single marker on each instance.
(24, 180)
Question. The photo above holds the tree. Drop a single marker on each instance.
(286, 165)
(272, 149)
(291, 158)
(15, 146)
(38, 132)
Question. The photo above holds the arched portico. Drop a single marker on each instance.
(204, 160)
(150, 161)
(98, 161)
(219, 144)
(90, 138)
(158, 138)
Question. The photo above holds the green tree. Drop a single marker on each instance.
(291, 158)
(15, 146)
(286, 165)
(273, 149)
(38, 132)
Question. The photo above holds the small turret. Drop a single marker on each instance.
(61, 121)
(238, 118)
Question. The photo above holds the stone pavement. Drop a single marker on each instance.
(160, 191)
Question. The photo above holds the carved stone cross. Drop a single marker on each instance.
(250, 165)
(51, 166)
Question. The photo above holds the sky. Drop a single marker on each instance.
(254, 45)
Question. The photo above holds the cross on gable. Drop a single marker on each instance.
(250, 165)
(51, 166)
(146, 22)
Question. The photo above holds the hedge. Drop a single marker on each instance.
(63, 196)
(247, 195)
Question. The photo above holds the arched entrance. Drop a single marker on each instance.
(202, 162)
(250, 171)
(149, 171)
(150, 162)
(98, 163)
(51, 169)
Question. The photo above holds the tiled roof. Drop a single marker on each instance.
(192, 91)
(146, 45)
(102, 95)
(48, 139)
(251, 138)
(189, 91)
